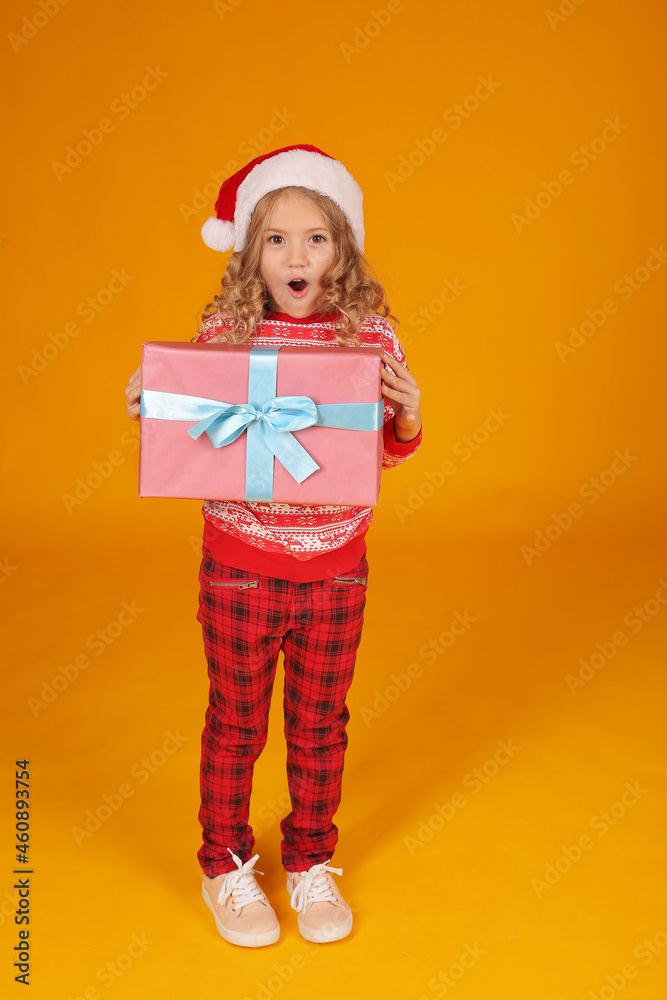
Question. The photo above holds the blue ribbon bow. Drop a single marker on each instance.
(268, 423)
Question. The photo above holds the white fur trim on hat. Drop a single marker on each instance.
(301, 168)
(218, 235)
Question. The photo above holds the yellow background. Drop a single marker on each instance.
(369, 85)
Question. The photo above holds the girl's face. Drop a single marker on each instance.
(297, 251)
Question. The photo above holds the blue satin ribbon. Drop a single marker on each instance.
(268, 420)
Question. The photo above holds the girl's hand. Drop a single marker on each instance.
(133, 394)
(402, 392)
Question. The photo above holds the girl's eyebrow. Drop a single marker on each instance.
(274, 229)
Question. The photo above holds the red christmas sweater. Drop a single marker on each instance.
(301, 541)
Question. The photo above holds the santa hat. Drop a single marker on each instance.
(299, 166)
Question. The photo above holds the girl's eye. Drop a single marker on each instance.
(316, 236)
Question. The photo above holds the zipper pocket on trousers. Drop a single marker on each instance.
(239, 584)
(351, 579)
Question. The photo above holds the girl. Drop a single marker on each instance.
(287, 576)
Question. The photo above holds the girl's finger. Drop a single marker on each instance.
(403, 376)
(405, 387)
(392, 362)
(403, 398)
(394, 381)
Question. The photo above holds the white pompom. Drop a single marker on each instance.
(218, 235)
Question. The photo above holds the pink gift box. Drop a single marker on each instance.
(258, 399)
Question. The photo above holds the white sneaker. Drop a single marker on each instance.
(323, 913)
(243, 914)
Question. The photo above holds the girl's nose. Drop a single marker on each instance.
(296, 254)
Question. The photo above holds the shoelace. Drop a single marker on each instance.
(314, 887)
(241, 884)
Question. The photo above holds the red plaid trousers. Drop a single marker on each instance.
(246, 619)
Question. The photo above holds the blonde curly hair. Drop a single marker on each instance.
(349, 286)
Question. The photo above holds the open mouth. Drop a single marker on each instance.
(298, 286)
